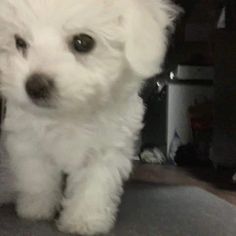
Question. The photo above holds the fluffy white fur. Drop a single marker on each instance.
(89, 131)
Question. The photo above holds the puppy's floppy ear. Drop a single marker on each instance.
(147, 23)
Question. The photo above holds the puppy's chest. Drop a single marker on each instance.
(68, 144)
(63, 143)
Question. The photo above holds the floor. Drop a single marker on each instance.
(217, 182)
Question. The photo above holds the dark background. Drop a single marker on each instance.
(197, 41)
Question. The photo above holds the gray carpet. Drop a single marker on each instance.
(149, 210)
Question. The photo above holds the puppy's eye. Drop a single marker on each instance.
(83, 43)
(21, 44)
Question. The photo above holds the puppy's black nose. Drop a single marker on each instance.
(39, 86)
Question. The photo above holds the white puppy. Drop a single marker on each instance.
(71, 71)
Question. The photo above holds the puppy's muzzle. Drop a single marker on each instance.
(40, 88)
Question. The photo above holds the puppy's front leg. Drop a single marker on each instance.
(37, 182)
(39, 190)
(92, 197)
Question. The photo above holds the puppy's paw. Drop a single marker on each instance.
(85, 222)
(33, 208)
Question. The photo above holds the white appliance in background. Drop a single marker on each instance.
(188, 85)
(180, 97)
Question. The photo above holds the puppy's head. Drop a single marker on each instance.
(72, 54)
